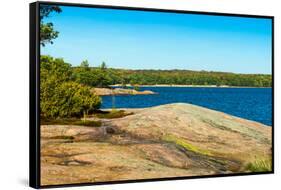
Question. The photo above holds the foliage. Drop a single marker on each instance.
(98, 77)
(260, 166)
(85, 64)
(136, 87)
(45, 10)
(103, 66)
(185, 77)
(59, 95)
(55, 70)
(47, 32)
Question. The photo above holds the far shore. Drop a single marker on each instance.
(120, 91)
(183, 85)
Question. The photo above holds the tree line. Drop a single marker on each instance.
(103, 76)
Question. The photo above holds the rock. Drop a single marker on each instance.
(70, 132)
(164, 141)
(119, 91)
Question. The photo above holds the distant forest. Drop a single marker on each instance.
(103, 76)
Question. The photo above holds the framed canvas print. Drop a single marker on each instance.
(121, 94)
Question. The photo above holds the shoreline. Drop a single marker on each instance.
(119, 91)
(183, 85)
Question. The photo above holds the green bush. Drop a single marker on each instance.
(59, 95)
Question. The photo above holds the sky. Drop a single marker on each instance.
(156, 40)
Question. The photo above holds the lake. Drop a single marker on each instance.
(249, 103)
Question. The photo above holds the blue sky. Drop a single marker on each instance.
(154, 40)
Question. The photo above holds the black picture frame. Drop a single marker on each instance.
(34, 91)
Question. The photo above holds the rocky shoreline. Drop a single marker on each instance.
(119, 91)
(165, 141)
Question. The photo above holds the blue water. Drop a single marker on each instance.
(249, 103)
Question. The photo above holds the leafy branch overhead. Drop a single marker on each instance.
(47, 31)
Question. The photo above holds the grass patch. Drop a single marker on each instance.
(187, 146)
(260, 166)
(70, 121)
(112, 114)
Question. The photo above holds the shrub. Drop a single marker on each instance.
(61, 97)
